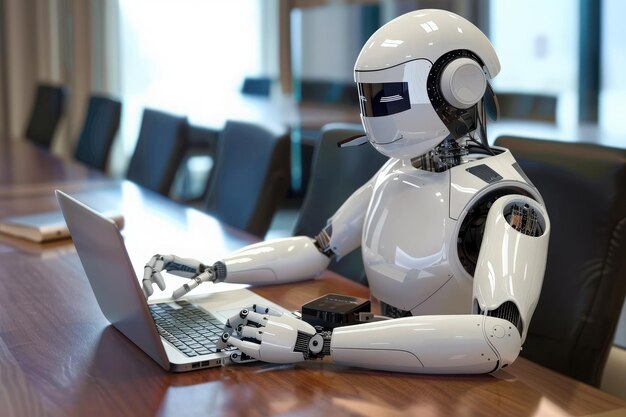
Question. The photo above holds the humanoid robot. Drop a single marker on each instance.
(453, 234)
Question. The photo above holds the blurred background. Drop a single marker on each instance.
(188, 56)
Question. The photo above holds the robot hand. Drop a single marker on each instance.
(260, 333)
(182, 267)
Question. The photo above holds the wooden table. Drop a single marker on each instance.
(60, 357)
(29, 170)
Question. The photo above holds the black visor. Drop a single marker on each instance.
(383, 99)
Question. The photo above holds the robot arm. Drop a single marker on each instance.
(423, 344)
(507, 283)
(274, 261)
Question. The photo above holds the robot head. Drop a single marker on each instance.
(421, 77)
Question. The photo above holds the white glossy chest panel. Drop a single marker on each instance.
(407, 235)
(410, 233)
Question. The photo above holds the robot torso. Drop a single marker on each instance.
(422, 230)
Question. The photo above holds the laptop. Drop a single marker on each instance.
(179, 335)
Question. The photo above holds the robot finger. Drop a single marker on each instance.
(147, 288)
(248, 332)
(158, 279)
(147, 270)
(239, 357)
(265, 310)
(245, 317)
(256, 319)
(152, 262)
(159, 264)
(249, 348)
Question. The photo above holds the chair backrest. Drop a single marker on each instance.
(47, 110)
(250, 177)
(336, 173)
(159, 151)
(540, 107)
(96, 138)
(584, 188)
(257, 86)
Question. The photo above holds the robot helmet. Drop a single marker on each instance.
(421, 78)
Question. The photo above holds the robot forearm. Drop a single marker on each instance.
(281, 260)
(275, 261)
(300, 257)
(455, 344)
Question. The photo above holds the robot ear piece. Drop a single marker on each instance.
(463, 83)
(492, 107)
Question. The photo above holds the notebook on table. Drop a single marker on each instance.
(44, 227)
(179, 335)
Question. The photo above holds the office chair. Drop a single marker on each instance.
(539, 107)
(48, 108)
(250, 177)
(99, 129)
(326, 92)
(159, 151)
(195, 173)
(584, 188)
(336, 173)
(257, 86)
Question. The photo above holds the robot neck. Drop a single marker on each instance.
(448, 154)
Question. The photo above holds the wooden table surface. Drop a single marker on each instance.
(60, 357)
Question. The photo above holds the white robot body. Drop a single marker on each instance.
(406, 255)
(511, 264)
(410, 258)
(452, 232)
(431, 32)
(280, 260)
(421, 344)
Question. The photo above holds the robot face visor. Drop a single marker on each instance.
(383, 99)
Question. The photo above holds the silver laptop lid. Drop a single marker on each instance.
(101, 250)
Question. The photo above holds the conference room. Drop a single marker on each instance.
(145, 139)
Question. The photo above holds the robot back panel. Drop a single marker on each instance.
(420, 224)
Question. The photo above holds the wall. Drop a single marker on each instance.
(329, 41)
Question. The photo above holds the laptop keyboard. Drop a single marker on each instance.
(191, 329)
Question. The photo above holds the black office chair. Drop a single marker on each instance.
(329, 92)
(584, 188)
(335, 175)
(257, 86)
(47, 111)
(96, 138)
(539, 107)
(189, 186)
(159, 151)
(250, 177)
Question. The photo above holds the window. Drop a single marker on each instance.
(537, 43)
(613, 62)
(183, 56)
